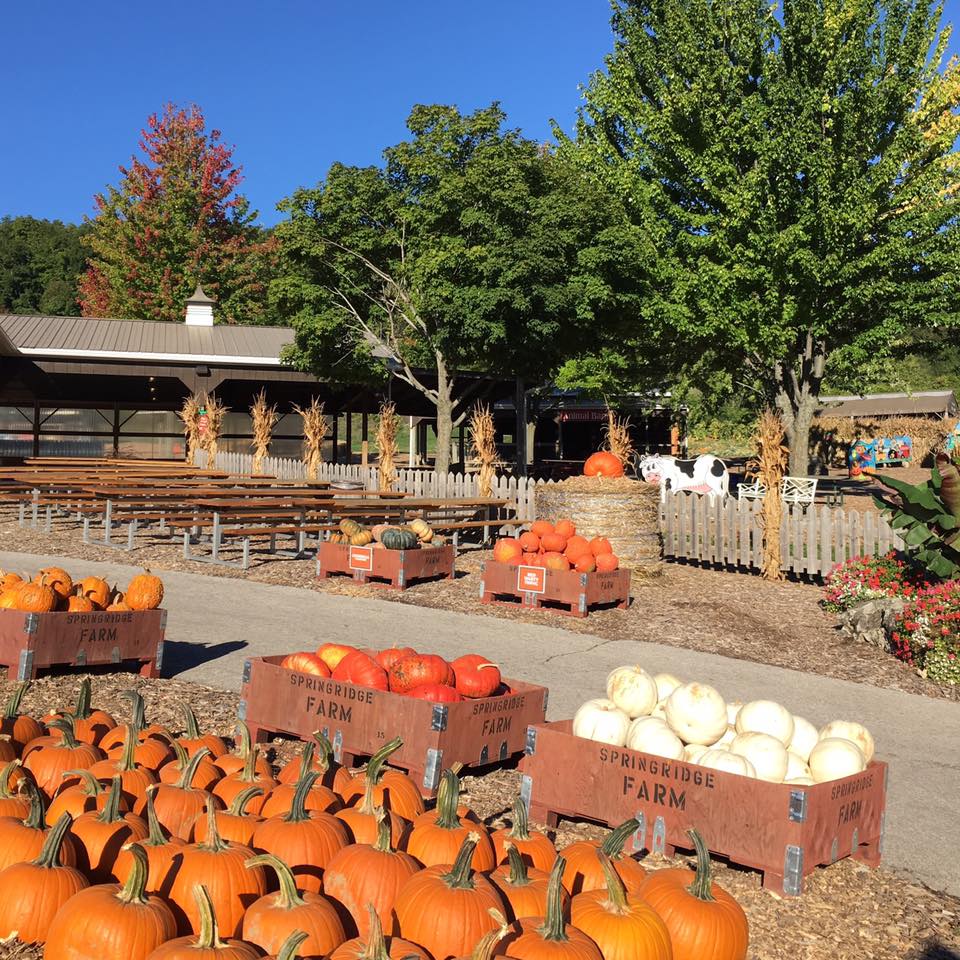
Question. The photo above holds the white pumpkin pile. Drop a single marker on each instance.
(692, 722)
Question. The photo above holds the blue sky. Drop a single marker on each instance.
(293, 84)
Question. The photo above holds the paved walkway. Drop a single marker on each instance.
(215, 623)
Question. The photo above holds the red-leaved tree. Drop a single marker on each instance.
(175, 218)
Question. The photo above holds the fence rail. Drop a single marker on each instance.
(729, 532)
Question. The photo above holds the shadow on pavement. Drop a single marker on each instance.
(179, 655)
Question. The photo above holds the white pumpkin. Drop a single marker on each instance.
(660, 711)
(603, 721)
(666, 684)
(804, 739)
(692, 752)
(766, 716)
(649, 735)
(633, 690)
(796, 767)
(733, 708)
(728, 762)
(767, 754)
(801, 782)
(835, 757)
(726, 739)
(696, 713)
(854, 732)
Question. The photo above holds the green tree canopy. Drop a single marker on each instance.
(175, 218)
(794, 171)
(469, 249)
(40, 261)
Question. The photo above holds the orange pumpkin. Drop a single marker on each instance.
(9, 579)
(90, 725)
(529, 542)
(134, 778)
(57, 579)
(373, 946)
(193, 739)
(505, 549)
(603, 464)
(179, 804)
(577, 546)
(332, 774)
(305, 662)
(22, 840)
(96, 590)
(19, 727)
(319, 797)
(101, 834)
(234, 824)
(204, 776)
(524, 888)
(10, 598)
(702, 918)
(607, 562)
(144, 592)
(541, 527)
(553, 543)
(584, 871)
(535, 848)
(392, 789)
(556, 562)
(332, 653)
(250, 775)
(162, 852)
(599, 545)
(37, 597)
(362, 819)
(81, 797)
(270, 920)
(48, 760)
(110, 920)
(624, 927)
(585, 564)
(565, 529)
(12, 804)
(77, 604)
(117, 603)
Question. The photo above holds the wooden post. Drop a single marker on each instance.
(462, 447)
(520, 437)
(335, 437)
(364, 453)
(348, 435)
(36, 428)
(116, 429)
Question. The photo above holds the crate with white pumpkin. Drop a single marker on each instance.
(764, 787)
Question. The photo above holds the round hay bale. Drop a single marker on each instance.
(624, 511)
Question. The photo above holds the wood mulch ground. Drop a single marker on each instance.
(847, 910)
(717, 611)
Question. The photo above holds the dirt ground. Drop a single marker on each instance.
(847, 912)
(733, 614)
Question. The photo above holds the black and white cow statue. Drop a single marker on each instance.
(707, 474)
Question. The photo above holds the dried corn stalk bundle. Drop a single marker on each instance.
(483, 449)
(189, 415)
(314, 433)
(616, 436)
(210, 440)
(387, 425)
(769, 467)
(264, 417)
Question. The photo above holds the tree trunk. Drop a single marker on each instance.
(797, 396)
(444, 418)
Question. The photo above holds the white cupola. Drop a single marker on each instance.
(200, 309)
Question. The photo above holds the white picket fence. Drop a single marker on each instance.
(419, 483)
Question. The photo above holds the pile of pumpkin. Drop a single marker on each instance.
(54, 589)
(388, 536)
(663, 716)
(424, 676)
(556, 547)
(133, 842)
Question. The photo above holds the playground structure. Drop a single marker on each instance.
(867, 455)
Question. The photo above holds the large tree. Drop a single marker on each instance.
(176, 218)
(40, 261)
(469, 249)
(794, 169)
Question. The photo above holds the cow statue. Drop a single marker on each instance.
(707, 474)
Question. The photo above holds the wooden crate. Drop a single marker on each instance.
(785, 831)
(30, 642)
(566, 591)
(359, 720)
(378, 566)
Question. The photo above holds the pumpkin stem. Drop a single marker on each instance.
(134, 890)
(367, 806)
(111, 809)
(5, 774)
(448, 795)
(214, 842)
(130, 740)
(485, 945)
(190, 720)
(138, 716)
(189, 771)
(298, 805)
(249, 772)
(244, 742)
(518, 869)
(376, 947)
(703, 881)
(90, 785)
(288, 897)
(37, 817)
(520, 829)
(240, 801)
(155, 837)
(616, 891)
(613, 843)
(65, 725)
(49, 855)
(554, 928)
(306, 757)
(460, 876)
(326, 750)
(12, 710)
(208, 938)
(374, 770)
(82, 709)
(290, 948)
(382, 843)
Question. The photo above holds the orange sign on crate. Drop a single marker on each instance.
(361, 558)
(531, 580)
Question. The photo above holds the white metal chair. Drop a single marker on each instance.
(798, 490)
(751, 491)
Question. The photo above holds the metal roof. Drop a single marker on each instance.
(940, 403)
(92, 338)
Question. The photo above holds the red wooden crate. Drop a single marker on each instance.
(565, 591)
(783, 830)
(359, 720)
(381, 567)
(30, 642)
